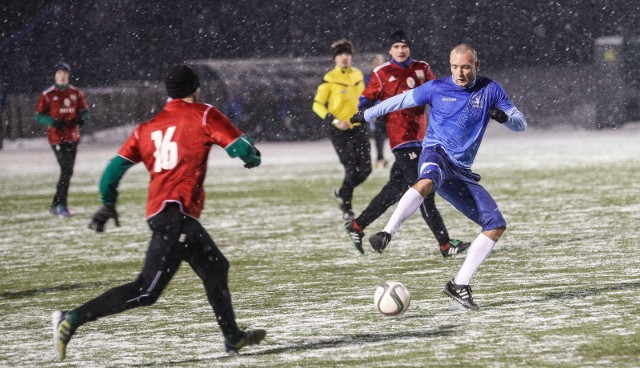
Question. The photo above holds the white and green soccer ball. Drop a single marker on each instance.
(392, 298)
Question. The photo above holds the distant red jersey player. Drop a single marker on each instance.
(408, 126)
(174, 146)
(62, 108)
(67, 109)
(406, 129)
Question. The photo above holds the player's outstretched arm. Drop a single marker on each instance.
(402, 101)
(243, 147)
(109, 193)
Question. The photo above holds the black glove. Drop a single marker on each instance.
(358, 117)
(57, 124)
(102, 215)
(329, 119)
(252, 161)
(498, 115)
(80, 122)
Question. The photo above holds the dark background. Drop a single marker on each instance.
(261, 61)
(107, 41)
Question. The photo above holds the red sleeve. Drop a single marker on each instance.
(130, 150)
(219, 128)
(373, 89)
(42, 105)
(82, 102)
(430, 74)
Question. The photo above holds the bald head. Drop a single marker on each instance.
(464, 64)
(463, 48)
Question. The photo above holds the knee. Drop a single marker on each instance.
(424, 187)
(223, 265)
(495, 234)
(366, 171)
(67, 170)
(218, 262)
(145, 297)
(215, 273)
(359, 174)
(148, 299)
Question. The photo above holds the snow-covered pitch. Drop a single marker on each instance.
(562, 288)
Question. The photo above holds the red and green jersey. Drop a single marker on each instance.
(62, 105)
(407, 127)
(174, 146)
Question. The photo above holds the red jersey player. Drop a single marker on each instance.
(406, 129)
(174, 146)
(62, 108)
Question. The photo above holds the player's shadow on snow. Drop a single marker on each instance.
(535, 244)
(566, 294)
(56, 289)
(583, 293)
(358, 339)
(355, 340)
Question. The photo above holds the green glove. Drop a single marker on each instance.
(83, 117)
(45, 120)
(243, 148)
(252, 160)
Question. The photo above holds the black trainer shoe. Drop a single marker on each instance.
(62, 332)
(453, 247)
(461, 294)
(345, 207)
(246, 338)
(379, 241)
(355, 234)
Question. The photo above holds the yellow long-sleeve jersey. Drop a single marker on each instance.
(339, 93)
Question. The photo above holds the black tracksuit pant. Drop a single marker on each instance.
(404, 173)
(379, 136)
(354, 151)
(66, 155)
(175, 238)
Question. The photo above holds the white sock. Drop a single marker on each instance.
(476, 254)
(407, 206)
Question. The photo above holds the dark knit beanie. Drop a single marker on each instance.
(61, 65)
(399, 36)
(342, 46)
(181, 82)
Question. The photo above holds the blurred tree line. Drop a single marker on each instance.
(112, 40)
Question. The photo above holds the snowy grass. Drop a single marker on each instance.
(562, 288)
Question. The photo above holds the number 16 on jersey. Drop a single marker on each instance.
(166, 154)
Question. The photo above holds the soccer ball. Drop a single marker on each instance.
(392, 298)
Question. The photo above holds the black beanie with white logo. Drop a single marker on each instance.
(399, 36)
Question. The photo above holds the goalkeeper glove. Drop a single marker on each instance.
(498, 115)
(102, 215)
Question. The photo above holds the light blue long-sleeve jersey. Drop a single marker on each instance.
(458, 117)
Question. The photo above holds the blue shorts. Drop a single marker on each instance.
(460, 187)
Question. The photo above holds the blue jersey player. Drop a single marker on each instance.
(461, 107)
